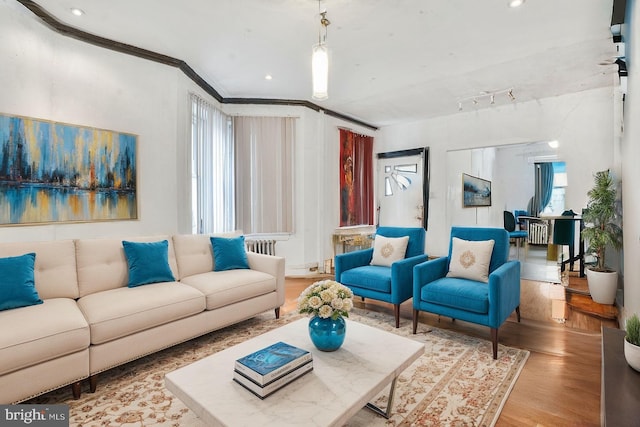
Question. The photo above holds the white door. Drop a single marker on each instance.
(400, 190)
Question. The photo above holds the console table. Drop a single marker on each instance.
(347, 239)
(620, 395)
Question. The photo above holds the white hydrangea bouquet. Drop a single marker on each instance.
(326, 299)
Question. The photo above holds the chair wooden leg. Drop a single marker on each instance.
(93, 383)
(76, 390)
(396, 313)
(416, 313)
(277, 310)
(494, 341)
(518, 313)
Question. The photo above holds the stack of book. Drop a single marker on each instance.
(271, 368)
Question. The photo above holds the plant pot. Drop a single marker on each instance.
(632, 354)
(603, 286)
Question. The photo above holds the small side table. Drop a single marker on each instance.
(620, 396)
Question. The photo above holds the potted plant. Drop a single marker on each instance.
(632, 342)
(601, 232)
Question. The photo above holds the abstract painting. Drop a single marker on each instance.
(476, 191)
(53, 172)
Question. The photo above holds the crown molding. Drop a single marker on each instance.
(149, 55)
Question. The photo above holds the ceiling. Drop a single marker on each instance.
(390, 61)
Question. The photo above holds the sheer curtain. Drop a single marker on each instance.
(212, 170)
(264, 173)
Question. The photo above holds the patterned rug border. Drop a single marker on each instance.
(134, 393)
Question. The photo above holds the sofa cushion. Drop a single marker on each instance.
(17, 286)
(229, 253)
(194, 253)
(148, 262)
(464, 294)
(102, 264)
(41, 332)
(372, 277)
(387, 250)
(227, 287)
(119, 312)
(55, 267)
(470, 259)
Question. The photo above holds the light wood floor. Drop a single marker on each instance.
(560, 383)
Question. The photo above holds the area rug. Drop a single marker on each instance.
(455, 383)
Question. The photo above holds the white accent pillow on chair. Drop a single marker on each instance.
(470, 259)
(387, 250)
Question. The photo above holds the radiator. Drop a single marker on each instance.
(538, 233)
(262, 246)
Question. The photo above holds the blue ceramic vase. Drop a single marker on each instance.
(327, 334)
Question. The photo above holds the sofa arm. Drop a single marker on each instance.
(402, 278)
(427, 272)
(344, 262)
(402, 271)
(273, 265)
(504, 292)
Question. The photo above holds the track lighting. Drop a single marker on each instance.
(485, 97)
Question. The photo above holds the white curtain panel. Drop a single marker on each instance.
(212, 169)
(264, 178)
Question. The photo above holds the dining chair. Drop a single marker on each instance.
(516, 234)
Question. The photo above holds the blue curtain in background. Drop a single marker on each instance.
(543, 188)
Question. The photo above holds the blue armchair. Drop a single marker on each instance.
(390, 284)
(487, 304)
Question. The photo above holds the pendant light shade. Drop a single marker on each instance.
(320, 71)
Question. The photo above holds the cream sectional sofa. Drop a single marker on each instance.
(90, 321)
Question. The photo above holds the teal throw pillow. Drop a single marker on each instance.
(229, 253)
(17, 283)
(148, 262)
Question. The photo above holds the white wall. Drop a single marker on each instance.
(581, 122)
(48, 76)
(630, 169)
(52, 77)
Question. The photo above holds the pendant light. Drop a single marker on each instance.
(320, 61)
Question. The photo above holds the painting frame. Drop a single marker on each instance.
(476, 191)
(54, 172)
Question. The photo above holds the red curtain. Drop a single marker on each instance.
(356, 179)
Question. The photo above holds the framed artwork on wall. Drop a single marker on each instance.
(475, 191)
(55, 172)
(356, 179)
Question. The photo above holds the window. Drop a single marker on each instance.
(212, 169)
(264, 168)
(556, 204)
(241, 171)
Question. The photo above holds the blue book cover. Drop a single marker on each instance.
(273, 361)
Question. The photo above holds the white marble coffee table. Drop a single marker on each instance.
(341, 383)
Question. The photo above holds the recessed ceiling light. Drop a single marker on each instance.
(77, 12)
(268, 77)
(515, 3)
